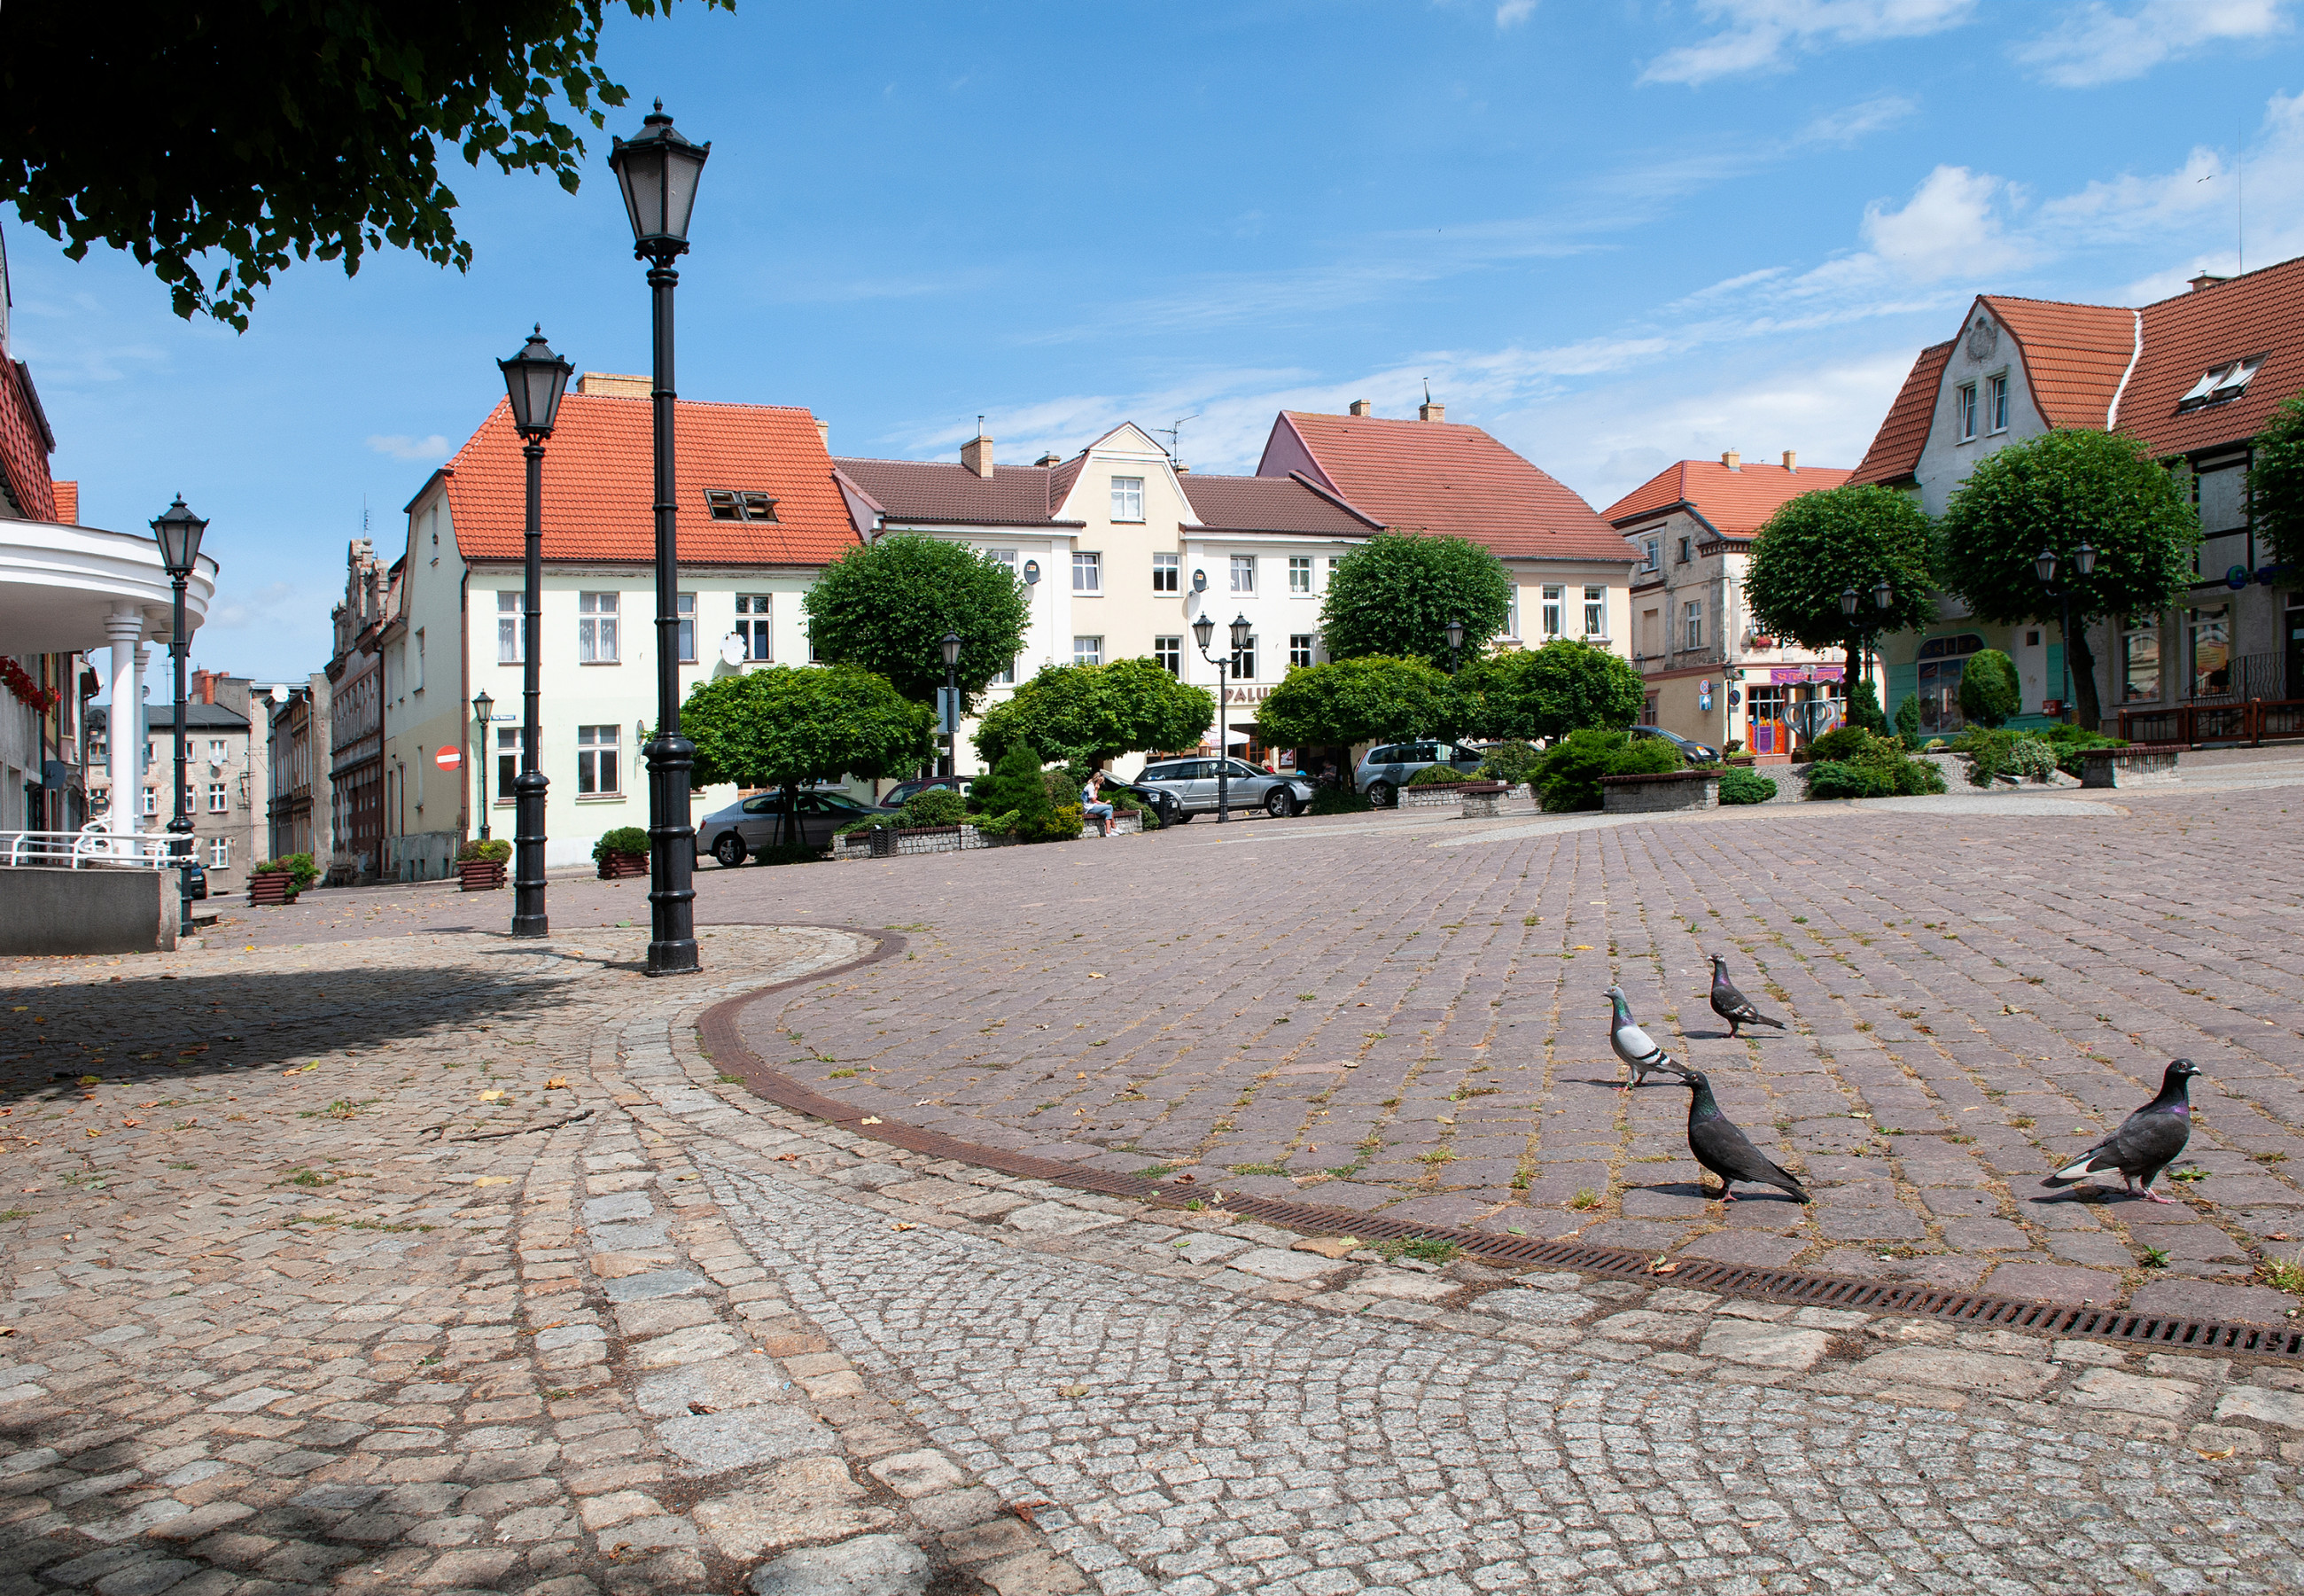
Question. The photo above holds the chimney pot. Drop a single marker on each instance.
(2205, 280)
(976, 454)
(1791, 460)
(1429, 411)
(1182, 470)
(1732, 460)
(823, 431)
(1362, 407)
(1050, 458)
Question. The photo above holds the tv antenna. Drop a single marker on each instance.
(1174, 434)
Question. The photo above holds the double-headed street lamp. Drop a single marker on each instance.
(1204, 632)
(659, 173)
(1454, 631)
(484, 709)
(950, 715)
(534, 380)
(2084, 557)
(178, 532)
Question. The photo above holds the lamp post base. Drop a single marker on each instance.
(672, 857)
(528, 916)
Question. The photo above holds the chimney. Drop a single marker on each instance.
(824, 432)
(1429, 411)
(976, 453)
(2206, 280)
(1791, 460)
(1360, 407)
(203, 688)
(1049, 459)
(615, 385)
(1734, 460)
(1182, 470)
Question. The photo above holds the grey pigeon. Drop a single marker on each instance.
(1726, 1150)
(1634, 1046)
(1732, 1005)
(2146, 1142)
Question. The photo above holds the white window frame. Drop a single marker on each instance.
(1128, 498)
(684, 633)
(1002, 556)
(1303, 650)
(1169, 652)
(151, 801)
(1005, 676)
(755, 624)
(597, 618)
(1963, 400)
(1995, 401)
(600, 748)
(1511, 610)
(1595, 611)
(1243, 575)
(1299, 575)
(219, 798)
(507, 761)
(1243, 661)
(1087, 573)
(510, 627)
(1088, 650)
(1168, 572)
(1692, 620)
(1655, 547)
(218, 751)
(219, 853)
(1556, 609)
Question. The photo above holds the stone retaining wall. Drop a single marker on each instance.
(2139, 765)
(1436, 795)
(1666, 790)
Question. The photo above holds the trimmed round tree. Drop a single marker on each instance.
(1565, 686)
(1085, 714)
(1817, 546)
(1359, 700)
(886, 605)
(786, 725)
(1395, 595)
(2277, 484)
(1991, 694)
(2055, 492)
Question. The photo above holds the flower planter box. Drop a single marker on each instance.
(273, 887)
(2139, 765)
(615, 867)
(1481, 799)
(1666, 790)
(1438, 795)
(481, 875)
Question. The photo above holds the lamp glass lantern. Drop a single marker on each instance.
(1241, 633)
(1848, 602)
(1884, 595)
(1204, 632)
(178, 532)
(483, 706)
(1454, 631)
(2085, 558)
(2047, 566)
(659, 173)
(534, 380)
(950, 650)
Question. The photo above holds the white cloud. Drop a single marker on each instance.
(1857, 121)
(2094, 44)
(1952, 224)
(399, 445)
(1511, 14)
(1762, 35)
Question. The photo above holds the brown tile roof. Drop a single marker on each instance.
(2074, 355)
(1737, 502)
(2184, 337)
(1896, 451)
(599, 477)
(945, 492)
(1289, 503)
(1445, 477)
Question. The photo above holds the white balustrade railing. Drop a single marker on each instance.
(90, 848)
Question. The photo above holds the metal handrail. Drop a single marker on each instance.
(91, 845)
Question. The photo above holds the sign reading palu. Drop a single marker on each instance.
(1806, 673)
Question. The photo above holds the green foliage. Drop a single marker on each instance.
(1992, 753)
(1336, 800)
(935, 806)
(1740, 785)
(1369, 699)
(1864, 708)
(885, 607)
(1061, 823)
(1013, 785)
(1990, 690)
(1819, 545)
(2032, 758)
(1564, 686)
(1089, 713)
(785, 724)
(1395, 594)
(317, 132)
(1002, 824)
(1842, 742)
(1435, 775)
(623, 839)
(1854, 763)
(1568, 776)
(2276, 478)
(300, 869)
(1908, 720)
(1513, 763)
(495, 848)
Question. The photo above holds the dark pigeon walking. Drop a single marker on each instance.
(1732, 1005)
(1726, 1150)
(1634, 1046)
(2147, 1140)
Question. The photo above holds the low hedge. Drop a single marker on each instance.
(1740, 785)
(1437, 776)
(297, 867)
(1868, 767)
(623, 839)
(494, 849)
(1569, 777)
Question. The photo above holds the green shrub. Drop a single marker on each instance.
(1336, 800)
(1013, 779)
(1842, 742)
(1864, 708)
(1854, 763)
(1059, 823)
(1908, 720)
(1000, 825)
(2032, 758)
(623, 839)
(495, 848)
(935, 806)
(1740, 785)
(1838, 778)
(1990, 693)
(1512, 763)
(1433, 776)
(300, 869)
(1568, 776)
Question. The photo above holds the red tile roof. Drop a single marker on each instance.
(1448, 477)
(2073, 354)
(25, 442)
(600, 485)
(942, 491)
(1289, 503)
(1737, 502)
(67, 503)
(2187, 337)
(1896, 451)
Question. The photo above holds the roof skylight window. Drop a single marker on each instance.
(732, 504)
(2221, 383)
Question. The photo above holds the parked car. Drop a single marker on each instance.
(1163, 803)
(1384, 771)
(1695, 753)
(1191, 784)
(904, 792)
(751, 824)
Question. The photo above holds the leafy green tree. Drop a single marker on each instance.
(1817, 546)
(786, 725)
(1908, 720)
(1088, 713)
(2276, 484)
(1360, 699)
(886, 605)
(2055, 492)
(227, 139)
(1991, 693)
(1568, 776)
(1864, 707)
(1395, 595)
(1013, 781)
(1564, 686)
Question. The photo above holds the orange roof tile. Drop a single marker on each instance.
(600, 485)
(1737, 502)
(2185, 337)
(1896, 451)
(1445, 477)
(2074, 355)
(67, 503)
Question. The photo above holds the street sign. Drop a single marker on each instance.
(448, 758)
(948, 711)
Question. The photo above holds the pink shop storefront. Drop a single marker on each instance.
(1771, 698)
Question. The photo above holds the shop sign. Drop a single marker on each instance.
(1806, 673)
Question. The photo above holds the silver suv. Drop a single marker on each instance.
(1384, 771)
(1192, 784)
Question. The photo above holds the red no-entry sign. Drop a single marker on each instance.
(448, 758)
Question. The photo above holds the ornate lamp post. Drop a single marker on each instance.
(1454, 631)
(534, 380)
(1883, 594)
(659, 173)
(178, 532)
(952, 697)
(1204, 632)
(483, 710)
(2084, 557)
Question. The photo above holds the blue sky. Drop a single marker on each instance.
(1615, 233)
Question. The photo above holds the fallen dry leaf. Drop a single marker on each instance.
(131, 1122)
(494, 1180)
(870, 1119)
(1070, 1391)
(702, 1407)
(1662, 1266)
(903, 1225)
(1583, 947)
(1185, 1180)
(1023, 1510)
(1095, 975)
(788, 1158)
(555, 1083)
(492, 1095)
(2217, 1456)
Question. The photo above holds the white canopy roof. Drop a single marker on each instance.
(58, 585)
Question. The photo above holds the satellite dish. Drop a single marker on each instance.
(733, 650)
(1199, 580)
(1031, 573)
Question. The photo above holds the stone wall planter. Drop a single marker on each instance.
(615, 867)
(1481, 799)
(890, 842)
(1666, 790)
(481, 875)
(1438, 795)
(1121, 825)
(2139, 765)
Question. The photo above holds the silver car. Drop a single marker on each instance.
(1192, 784)
(751, 825)
(1384, 771)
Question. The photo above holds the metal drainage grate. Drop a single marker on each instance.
(725, 1044)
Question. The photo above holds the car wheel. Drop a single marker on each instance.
(1182, 817)
(1379, 795)
(1278, 804)
(729, 850)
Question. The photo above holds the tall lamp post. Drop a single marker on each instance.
(951, 716)
(2084, 557)
(1454, 631)
(534, 380)
(178, 532)
(1204, 632)
(484, 710)
(1883, 594)
(659, 173)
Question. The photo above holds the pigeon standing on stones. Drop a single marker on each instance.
(1732, 1005)
(2146, 1142)
(1726, 1150)
(1635, 1047)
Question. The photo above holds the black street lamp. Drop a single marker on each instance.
(178, 532)
(1455, 634)
(483, 711)
(1204, 632)
(2083, 557)
(659, 173)
(951, 716)
(534, 380)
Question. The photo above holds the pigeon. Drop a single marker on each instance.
(1732, 1005)
(2146, 1142)
(1726, 1150)
(1635, 1047)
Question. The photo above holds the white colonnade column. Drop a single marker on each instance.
(124, 631)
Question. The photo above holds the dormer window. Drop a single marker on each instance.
(2222, 384)
(728, 504)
